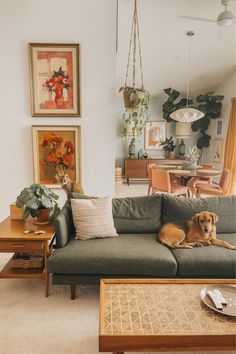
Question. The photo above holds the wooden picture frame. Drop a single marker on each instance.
(218, 150)
(53, 146)
(219, 127)
(55, 79)
(154, 135)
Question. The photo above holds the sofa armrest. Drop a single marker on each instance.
(64, 226)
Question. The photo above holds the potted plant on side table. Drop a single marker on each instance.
(39, 202)
(169, 147)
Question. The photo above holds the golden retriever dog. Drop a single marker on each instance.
(199, 231)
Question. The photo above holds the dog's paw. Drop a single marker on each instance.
(233, 247)
(198, 244)
(207, 243)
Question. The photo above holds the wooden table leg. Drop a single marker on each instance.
(72, 291)
(46, 254)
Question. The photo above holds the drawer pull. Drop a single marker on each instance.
(18, 246)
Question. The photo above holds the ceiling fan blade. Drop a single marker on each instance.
(198, 19)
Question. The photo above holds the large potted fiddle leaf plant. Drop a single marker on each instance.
(211, 105)
(208, 103)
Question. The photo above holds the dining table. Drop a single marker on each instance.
(186, 175)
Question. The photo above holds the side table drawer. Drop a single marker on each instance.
(14, 246)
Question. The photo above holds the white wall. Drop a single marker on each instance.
(228, 90)
(90, 23)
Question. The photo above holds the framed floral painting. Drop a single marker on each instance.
(55, 146)
(54, 79)
(154, 135)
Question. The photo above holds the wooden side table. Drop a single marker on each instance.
(13, 239)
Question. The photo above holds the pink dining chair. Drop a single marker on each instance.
(150, 166)
(214, 188)
(161, 183)
(194, 180)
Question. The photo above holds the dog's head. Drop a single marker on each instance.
(205, 220)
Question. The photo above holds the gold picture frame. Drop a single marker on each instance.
(52, 146)
(55, 79)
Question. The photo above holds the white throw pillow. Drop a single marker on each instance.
(93, 218)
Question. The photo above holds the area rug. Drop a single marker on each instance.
(33, 324)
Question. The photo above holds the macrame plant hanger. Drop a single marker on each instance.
(134, 45)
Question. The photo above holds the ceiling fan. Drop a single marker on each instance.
(225, 18)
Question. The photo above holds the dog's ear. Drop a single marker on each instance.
(214, 218)
(195, 218)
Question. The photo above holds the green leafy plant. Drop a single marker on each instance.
(38, 197)
(136, 114)
(209, 104)
(168, 144)
(173, 103)
(193, 154)
(137, 97)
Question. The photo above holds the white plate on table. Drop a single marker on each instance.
(228, 292)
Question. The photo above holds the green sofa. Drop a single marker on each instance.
(136, 251)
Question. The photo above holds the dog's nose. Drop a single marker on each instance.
(206, 230)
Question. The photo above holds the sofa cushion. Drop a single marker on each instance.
(207, 261)
(176, 208)
(127, 254)
(134, 214)
(93, 218)
(137, 214)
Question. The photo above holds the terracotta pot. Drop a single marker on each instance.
(43, 215)
(131, 105)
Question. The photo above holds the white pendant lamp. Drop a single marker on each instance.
(187, 114)
(183, 130)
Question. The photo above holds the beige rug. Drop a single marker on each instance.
(33, 324)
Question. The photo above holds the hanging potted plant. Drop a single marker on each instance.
(136, 99)
(169, 147)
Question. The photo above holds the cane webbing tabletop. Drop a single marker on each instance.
(161, 309)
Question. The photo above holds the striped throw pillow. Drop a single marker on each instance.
(93, 218)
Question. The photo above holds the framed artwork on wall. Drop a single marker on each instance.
(218, 150)
(154, 135)
(55, 79)
(219, 126)
(53, 146)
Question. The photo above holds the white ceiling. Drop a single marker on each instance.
(165, 45)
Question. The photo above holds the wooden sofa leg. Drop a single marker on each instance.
(72, 291)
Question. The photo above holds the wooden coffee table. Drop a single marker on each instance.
(13, 239)
(161, 315)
